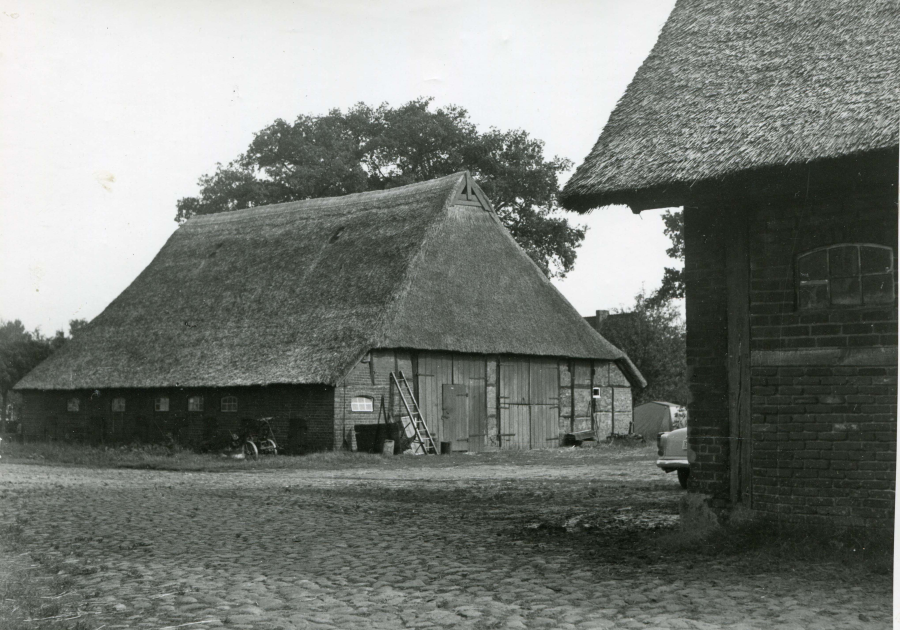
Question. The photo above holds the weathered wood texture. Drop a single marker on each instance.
(475, 402)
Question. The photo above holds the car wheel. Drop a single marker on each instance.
(683, 474)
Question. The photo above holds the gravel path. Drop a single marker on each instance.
(473, 546)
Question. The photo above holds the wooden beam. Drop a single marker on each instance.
(738, 280)
(471, 195)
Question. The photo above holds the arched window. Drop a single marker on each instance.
(73, 404)
(229, 403)
(362, 404)
(845, 275)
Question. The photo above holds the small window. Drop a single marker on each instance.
(195, 403)
(161, 404)
(118, 404)
(845, 275)
(229, 403)
(362, 403)
(73, 404)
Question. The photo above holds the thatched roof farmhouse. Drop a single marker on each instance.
(775, 126)
(290, 303)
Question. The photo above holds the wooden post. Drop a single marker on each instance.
(738, 280)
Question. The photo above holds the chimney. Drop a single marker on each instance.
(597, 320)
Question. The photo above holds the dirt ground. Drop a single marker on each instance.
(566, 539)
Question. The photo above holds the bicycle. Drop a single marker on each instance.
(258, 438)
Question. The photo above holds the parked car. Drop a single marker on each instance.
(672, 451)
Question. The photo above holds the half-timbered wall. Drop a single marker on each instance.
(488, 402)
(474, 402)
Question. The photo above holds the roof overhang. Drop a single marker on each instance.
(817, 177)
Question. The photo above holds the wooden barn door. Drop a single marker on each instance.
(434, 371)
(515, 425)
(455, 416)
(462, 421)
(470, 371)
(544, 402)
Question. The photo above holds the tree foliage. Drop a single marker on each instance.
(653, 337)
(673, 279)
(376, 148)
(21, 350)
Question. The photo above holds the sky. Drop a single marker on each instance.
(110, 112)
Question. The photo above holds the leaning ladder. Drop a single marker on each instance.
(413, 423)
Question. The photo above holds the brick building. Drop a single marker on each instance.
(301, 311)
(775, 126)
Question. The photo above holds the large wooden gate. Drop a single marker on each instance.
(464, 422)
(529, 403)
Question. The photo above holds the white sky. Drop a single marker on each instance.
(110, 111)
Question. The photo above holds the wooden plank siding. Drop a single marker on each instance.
(455, 415)
(529, 403)
(470, 371)
(544, 402)
(515, 428)
(511, 402)
(435, 371)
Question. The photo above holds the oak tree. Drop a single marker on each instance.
(672, 286)
(376, 148)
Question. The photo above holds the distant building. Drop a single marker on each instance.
(599, 318)
(656, 417)
(301, 311)
(775, 126)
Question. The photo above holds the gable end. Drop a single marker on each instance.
(469, 194)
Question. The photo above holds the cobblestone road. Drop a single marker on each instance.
(472, 546)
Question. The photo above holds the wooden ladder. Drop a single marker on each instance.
(413, 423)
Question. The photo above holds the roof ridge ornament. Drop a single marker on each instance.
(471, 195)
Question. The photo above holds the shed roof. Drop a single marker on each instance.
(298, 292)
(736, 85)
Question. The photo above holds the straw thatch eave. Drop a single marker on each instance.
(747, 85)
(818, 177)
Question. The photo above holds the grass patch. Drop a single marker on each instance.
(176, 458)
(32, 596)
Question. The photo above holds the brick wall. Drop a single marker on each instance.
(302, 415)
(822, 382)
(707, 349)
(371, 377)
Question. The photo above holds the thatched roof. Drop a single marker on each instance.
(298, 292)
(736, 85)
